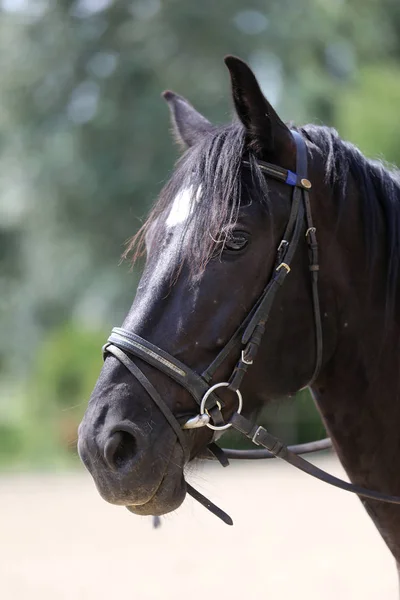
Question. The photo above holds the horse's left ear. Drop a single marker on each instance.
(188, 124)
(267, 133)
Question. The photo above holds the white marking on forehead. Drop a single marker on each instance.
(182, 206)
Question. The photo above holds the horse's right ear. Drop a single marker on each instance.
(188, 125)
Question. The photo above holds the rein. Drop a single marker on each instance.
(123, 343)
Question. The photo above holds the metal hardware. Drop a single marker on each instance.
(283, 244)
(245, 360)
(204, 400)
(219, 406)
(196, 422)
(283, 266)
(306, 183)
(311, 230)
(253, 439)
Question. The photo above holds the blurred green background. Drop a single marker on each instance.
(85, 149)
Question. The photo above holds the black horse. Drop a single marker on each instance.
(211, 243)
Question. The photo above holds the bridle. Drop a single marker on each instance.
(123, 343)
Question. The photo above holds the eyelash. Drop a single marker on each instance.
(242, 241)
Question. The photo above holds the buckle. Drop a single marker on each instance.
(245, 360)
(283, 244)
(310, 230)
(253, 439)
(283, 266)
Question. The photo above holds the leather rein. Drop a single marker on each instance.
(123, 343)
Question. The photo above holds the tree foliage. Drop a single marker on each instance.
(85, 147)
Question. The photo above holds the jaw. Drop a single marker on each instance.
(171, 491)
(168, 497)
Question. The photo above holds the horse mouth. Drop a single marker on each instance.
(171, 491)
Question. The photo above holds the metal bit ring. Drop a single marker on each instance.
(204, 400)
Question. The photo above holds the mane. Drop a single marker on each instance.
(379, 188)
(214, 166)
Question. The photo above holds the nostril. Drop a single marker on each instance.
(125, 450)
(120, 449)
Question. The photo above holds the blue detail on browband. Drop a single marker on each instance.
(291, 178)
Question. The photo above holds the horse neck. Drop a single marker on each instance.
(358, 391)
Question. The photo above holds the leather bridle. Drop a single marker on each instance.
(123, 343)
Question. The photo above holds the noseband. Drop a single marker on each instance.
(123, 343)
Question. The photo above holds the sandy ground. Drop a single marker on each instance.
(293, 538)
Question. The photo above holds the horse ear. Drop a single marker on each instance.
(267, 134)
(188, 125)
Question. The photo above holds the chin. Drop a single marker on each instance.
(168, 497)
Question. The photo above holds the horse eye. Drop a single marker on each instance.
(237, 241)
